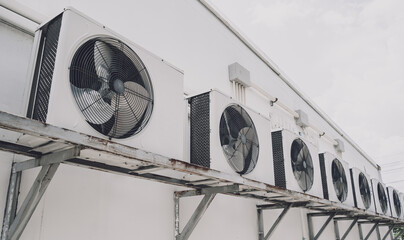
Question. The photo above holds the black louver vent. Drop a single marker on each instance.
(200, 130)
(353, 188)
(279, 161)
(45, 65)
(323, 176)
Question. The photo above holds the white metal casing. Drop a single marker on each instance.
(163, 134)
(393, 210)
(375, 191)
(355, 172)
(291, 183)
(263, 171)
(401, 195)
(332, 196)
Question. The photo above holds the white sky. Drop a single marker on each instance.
(347, 56)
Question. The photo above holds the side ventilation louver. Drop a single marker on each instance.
(279, 161)
(200, 130)
(45, 64)
(323, 176)
(353, 188)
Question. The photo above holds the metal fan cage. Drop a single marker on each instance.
(112, 87)
(364, 190)
(302, 164)
(397, 203)
(339, 180)
(238, 138)
(381, 193)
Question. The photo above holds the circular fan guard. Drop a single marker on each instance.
(364, 190)
(302, 164)
(382, 197)
(111, 87)
(339, 180)
(397, 203)
(238, 138)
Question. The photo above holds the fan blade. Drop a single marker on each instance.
(102, 60)
(236, 158)
(97, 105)
(129, 108)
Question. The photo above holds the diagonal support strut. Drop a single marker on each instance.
(274, 225)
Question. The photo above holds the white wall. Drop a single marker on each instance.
(85, 204)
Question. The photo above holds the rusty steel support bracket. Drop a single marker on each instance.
(313, 236)
(209, 195)
(14, 221)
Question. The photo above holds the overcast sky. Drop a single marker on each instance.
(346, 55)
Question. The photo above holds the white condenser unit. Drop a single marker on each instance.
(229, 137)
(363, 195)
(336, 179)
(401, 195)
(394, 202)
(296, 163)
(91, 80)
(380, 197)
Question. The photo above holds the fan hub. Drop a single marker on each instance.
(243, 138)
(118, 86)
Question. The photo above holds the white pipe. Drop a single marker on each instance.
(23, 11)
(285, 79)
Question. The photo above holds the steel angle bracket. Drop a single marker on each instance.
(372, 229)
(312, 235)
(14, 222)
(260, 208)
(209, 195)
(348, 230)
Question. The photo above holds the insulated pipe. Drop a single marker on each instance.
(23, 11)
(276, 70)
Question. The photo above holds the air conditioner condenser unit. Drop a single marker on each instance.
(229, 137)
(92, 80)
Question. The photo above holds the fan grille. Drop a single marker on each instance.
(364, 190)
(302, 164)
(382, 197)
(112, 87)
(238, 138)
(339, 180)
(397, 203)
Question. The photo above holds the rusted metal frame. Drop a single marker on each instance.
(14, 222)
(378, 233)
(55, 157)
(11, 201)
(56, 134)
(350, 227)
(31, 201)
(388, 232)
(261, 236)
(209, 194)
(313, 236)
(194, 220)
(371, 230)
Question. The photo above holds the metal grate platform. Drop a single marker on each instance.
(46, 146)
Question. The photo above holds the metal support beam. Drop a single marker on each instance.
(15, 222)
(310, 224)
(193, 221)
(399, 235)
(209, 195)
(371, 231)
(336, 229)
(11, 201)
(378, 233)
(31, 201)
(56, 157)
(360, 231)
(355, 220)
(388, 232)
(274, 225)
